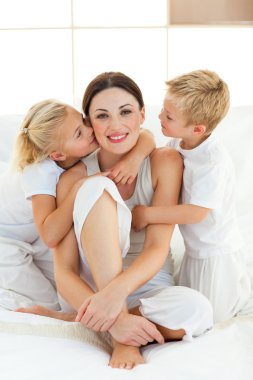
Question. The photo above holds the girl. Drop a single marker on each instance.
(53, 137)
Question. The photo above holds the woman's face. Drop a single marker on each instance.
(116, 118)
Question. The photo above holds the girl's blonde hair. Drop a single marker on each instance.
(39, 133)
(202, 96)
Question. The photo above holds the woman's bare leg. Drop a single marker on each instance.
(99, 238)
(41, 310)
(126, 357)
(168, 334)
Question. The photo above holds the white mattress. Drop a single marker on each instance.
(35, 347)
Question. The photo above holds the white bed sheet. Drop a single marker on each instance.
(34, 347)
(224, 353)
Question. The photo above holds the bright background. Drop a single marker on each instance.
(53, 48)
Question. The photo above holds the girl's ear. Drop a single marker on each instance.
(87, 121)
(199, 129)
(57, 156)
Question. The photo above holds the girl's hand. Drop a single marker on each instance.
(100, 311)
(125, 171)
(138, 218)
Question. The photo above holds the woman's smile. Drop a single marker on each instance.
(116, 138)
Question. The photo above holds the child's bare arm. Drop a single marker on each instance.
(176, 214)
(53, 223)
(127, 169)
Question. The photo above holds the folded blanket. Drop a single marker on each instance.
(29, 324)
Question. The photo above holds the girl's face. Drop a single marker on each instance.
(116, 118)
(78, 139)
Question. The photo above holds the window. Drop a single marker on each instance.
(53, 48)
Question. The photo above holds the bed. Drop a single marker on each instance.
(36, 347)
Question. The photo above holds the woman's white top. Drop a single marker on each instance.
(143, 194)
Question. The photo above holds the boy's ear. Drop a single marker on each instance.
(57, 156)
(199, 129)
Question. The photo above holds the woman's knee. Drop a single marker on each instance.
(177, 308)
(197, 310)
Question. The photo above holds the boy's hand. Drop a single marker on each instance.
(139, 217)
(125, 171)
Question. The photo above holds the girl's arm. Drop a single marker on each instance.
(53, 223)
(177, 214)
(127, 169)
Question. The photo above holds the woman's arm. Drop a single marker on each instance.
(67, 275)
(127, 169)
(167, 169)
(66, 256)
(131, 330)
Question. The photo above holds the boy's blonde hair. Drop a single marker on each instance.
(39, 133)
(202, 96)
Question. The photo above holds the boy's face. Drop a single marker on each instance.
(172, 120)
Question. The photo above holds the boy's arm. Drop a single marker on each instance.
(176, 214)
(127, 169)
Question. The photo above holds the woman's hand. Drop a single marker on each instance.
(134, 330)
(100, 311)
(139, 217)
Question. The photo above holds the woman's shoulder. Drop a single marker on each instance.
(76, 172)
(166, 156)
(166, 163)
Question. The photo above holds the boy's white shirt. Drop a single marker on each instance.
(209, 181)
(16, 190)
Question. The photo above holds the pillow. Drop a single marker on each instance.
(9, 127)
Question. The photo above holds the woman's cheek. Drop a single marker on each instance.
(98, 129)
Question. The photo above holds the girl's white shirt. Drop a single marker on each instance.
(16, 190)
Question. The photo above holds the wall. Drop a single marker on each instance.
(53, 48)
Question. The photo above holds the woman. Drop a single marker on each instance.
(111, 294)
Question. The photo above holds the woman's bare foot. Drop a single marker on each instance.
(41, 310)
(126, 357)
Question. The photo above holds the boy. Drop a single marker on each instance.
(194, 105)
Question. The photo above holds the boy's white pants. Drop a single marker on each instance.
(222, 279)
